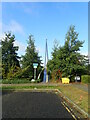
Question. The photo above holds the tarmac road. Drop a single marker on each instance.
(33, 105)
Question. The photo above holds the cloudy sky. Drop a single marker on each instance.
(45, 21)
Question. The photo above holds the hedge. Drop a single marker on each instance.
(18, 81)
(85, 78)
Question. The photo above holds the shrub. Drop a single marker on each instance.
(38, 81)
(85, 78)
(24, 73)
(12, 71)
(15, 81)
(72, 79)
(18, 81)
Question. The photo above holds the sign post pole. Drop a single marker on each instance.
(35, 66)
(34, 73)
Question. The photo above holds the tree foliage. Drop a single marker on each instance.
(67, 58)
(9, 54)
(31, 56)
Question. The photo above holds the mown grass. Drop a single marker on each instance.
(79, 97)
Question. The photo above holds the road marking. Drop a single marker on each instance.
(73, 116)
(63, 103)
(68, 110)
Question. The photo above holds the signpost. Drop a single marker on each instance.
(77, 78)
(35, 66)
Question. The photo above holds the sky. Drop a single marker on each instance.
(45, 20)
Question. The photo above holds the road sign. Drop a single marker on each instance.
(35, 65)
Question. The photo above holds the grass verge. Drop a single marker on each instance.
(79, 97)
(27, 87)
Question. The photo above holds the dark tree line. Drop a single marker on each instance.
(66, 59)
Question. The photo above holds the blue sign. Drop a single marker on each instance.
(35, 65)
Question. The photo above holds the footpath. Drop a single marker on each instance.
(84, 87)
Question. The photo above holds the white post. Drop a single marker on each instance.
(46, 78)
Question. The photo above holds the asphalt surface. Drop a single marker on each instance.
(33, 105)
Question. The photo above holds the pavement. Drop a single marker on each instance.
(84, 87)
(33, 84)
(33, 105)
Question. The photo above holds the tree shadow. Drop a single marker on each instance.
(5, 92)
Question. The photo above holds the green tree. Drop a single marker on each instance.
(75, 62)
(52, 63)
(31, 56)
(67, 58)
(9, 53)
(0, 63)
